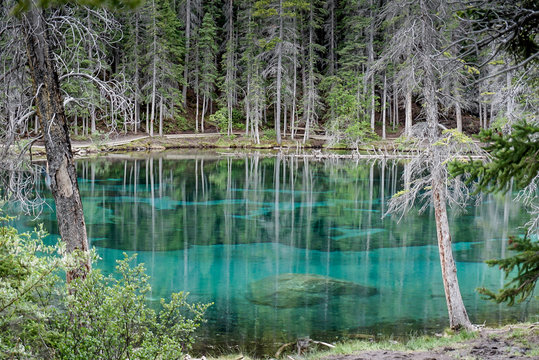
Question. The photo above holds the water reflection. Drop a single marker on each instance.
(216, 226)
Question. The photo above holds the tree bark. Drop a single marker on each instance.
(408, 112)
(161, 116)
(154, 70)
(136, 80)
(458, 317)
(279, 76)
(187, 45)
(371, 61)
(455, 306)
(458, 113)
(384, 96)
(54, 125)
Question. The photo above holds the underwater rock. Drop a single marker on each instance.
(299, 290)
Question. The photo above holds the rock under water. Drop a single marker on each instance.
(299, 290)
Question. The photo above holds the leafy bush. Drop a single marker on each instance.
(350, 122)
(220, 119)
(238, 119)
(175, 124)
(99, 317)
(269, 135)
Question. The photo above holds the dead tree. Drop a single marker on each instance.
(38, 38)
(427, 176)
(50, 110)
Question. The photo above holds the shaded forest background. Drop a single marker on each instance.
(284, 69)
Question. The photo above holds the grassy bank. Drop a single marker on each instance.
(517, 340)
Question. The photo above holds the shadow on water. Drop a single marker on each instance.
(230, 229)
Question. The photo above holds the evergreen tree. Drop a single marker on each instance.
(164, 58)
(514, 160)
(208, 69)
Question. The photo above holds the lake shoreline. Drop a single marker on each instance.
(316, 147)
(516, 341)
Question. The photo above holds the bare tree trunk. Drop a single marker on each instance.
(384, 108)
(154, 70)
(187, 44)
(294, 90)
(371, 61)
(458, 113)
(92, 114)
(248, 104)
(204, 109)
(279, 75)
(196, 114)
(147, 118)
(455, 306)
(136, 80)
(480, 116)
(161, 116)
(408, 111)
(310, 81)
(284, 120)
(396, 105)
(458, 317)
(230, 67)
(61, 167)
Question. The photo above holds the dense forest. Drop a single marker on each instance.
(285, 68)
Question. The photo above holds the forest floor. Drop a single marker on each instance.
(516, 341)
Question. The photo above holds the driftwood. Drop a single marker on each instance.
(301, 345)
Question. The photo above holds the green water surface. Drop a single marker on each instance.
(223, 227)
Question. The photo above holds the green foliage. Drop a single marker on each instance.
(176, 124)
(349, 121)
(452, 136)
(514, 156)
(526, 262)
(269, 135)
(208, 51)
(238, 120)
(100, 317)
(220, 119)
(359, 131)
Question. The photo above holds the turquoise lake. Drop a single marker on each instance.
(216, 225)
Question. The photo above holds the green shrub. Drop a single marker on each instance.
(220, 119)
(99, 317)
(269, 135)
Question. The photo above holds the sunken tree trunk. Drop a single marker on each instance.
(54, 126)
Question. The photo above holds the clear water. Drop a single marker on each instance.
(214, 225)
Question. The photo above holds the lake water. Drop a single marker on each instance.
(216, 225)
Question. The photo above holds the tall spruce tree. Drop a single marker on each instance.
(208, 69)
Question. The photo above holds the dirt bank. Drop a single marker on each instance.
(510, 342)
